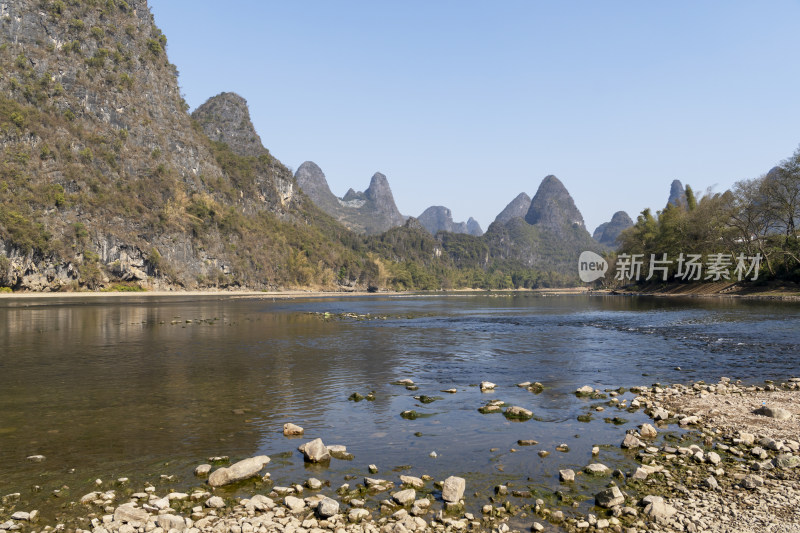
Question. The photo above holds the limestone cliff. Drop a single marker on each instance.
(607, 232)
(518, 207)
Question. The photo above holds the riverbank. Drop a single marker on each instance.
(720, 457)
(773, 290)
(276, 295)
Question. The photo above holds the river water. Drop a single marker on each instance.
(143, 387)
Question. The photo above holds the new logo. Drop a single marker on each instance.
(591, 267)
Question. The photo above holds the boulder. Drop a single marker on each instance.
(170, 521)
(316, 452)
(586, 390)
(405, 497)
(130, 514)
(630, 441)
(244, 469)
(202, 470)
(291, 429)
(412, 481)
(295, 505)
(787, 460)
(566, 475)
(215, 502)
(596, 469)
(609, 498)
(327, 507)
(453, 489)
(659, 510)
(647, 431)
(487, 385)
(357, 515)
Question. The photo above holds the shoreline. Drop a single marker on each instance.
(775, 292)
(730, 461)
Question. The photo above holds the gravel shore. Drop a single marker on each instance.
(719, 457)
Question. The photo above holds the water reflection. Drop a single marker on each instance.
(122, 387)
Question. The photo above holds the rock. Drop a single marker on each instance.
(711, 483)
(170, 521)
(373, 469)
(566, 476)
(295, 505)
(290, 429)
(660, 414)
(787, 460)
(648, 432)
(713, 458)
(244, 469)
(453, 489)
(586, 390)
(773, 412)
(316, 452)
(518, 413)
(527, 442)
(202, 470)
(412, 481)
(327, 507)
(21, 516)
(688, 420)
(640, 473)
(748, 439)
(313, 483)
(262, 503)
(659, 510)
(596, 469)
(215, 502)
(487, 385)
(357, 515)
(36, 458)
(630, 441)
(752, 481)
(609, 498)
(405, 497)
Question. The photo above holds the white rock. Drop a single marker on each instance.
(327, 507)
(130, 514)
(215, 502)
(487, 385)
(453, 489)
(244, 469)
(404, 497)
(292, 429)
(316, 452)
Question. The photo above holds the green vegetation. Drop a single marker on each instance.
(758, 217)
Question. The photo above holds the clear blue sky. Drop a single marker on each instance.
(467, 104)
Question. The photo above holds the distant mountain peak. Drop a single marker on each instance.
(518, 207)
(608, 232)
(226, 118)
(677, 194)
(553, 207)
(439, 218)
(371, 211)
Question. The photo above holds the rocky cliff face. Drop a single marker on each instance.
(677, 194)
(607, 232)
(439, 218)
(105, 177)
(372, 211)
(518, 207)
(226, 118)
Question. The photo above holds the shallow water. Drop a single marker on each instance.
(141, 387)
